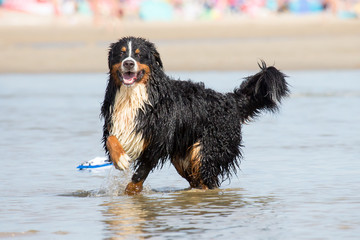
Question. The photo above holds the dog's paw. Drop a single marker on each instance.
(134, 188)
(123, 162)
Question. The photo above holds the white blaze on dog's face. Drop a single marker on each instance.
(129, 67)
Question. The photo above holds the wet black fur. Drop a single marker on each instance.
(183, 113)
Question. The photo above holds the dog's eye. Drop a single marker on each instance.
(123, 51)
(137, 52)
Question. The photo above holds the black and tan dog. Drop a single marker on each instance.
(150, 118)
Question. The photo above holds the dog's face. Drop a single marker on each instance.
(131, 61)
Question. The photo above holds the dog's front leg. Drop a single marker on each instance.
(117, 153)
(137, 180)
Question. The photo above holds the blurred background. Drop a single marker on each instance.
(224, 34)
(181, 9)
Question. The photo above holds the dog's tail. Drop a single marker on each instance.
(262, 91)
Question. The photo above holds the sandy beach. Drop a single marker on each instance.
(290, 42)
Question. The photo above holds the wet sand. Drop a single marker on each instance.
(289, 42)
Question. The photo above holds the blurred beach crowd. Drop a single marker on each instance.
(153, 10)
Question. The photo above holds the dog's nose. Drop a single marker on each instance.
(129, 64)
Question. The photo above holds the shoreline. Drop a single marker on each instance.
(292, 43)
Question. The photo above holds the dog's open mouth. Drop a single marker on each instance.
(129, 78)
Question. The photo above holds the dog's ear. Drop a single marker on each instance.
(155, 55)
(110, 56)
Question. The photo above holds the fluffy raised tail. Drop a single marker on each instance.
(262, 91)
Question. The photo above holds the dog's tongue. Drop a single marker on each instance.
(129, 78)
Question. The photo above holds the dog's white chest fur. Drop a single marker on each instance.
(128, 102)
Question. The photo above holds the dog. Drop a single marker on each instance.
(150, 118)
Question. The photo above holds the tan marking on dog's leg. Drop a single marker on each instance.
(189, 166)
(134, 188)
(195, 160)
(117, 154)
(179, 166)
(194, 157)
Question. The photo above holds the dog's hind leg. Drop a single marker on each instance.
(189, 166)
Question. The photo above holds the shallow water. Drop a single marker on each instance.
(299, 178)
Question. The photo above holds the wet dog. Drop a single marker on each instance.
(150, 118)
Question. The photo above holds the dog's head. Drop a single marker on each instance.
(132, 60)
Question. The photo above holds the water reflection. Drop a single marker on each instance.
(180, 214)
(124, 218)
